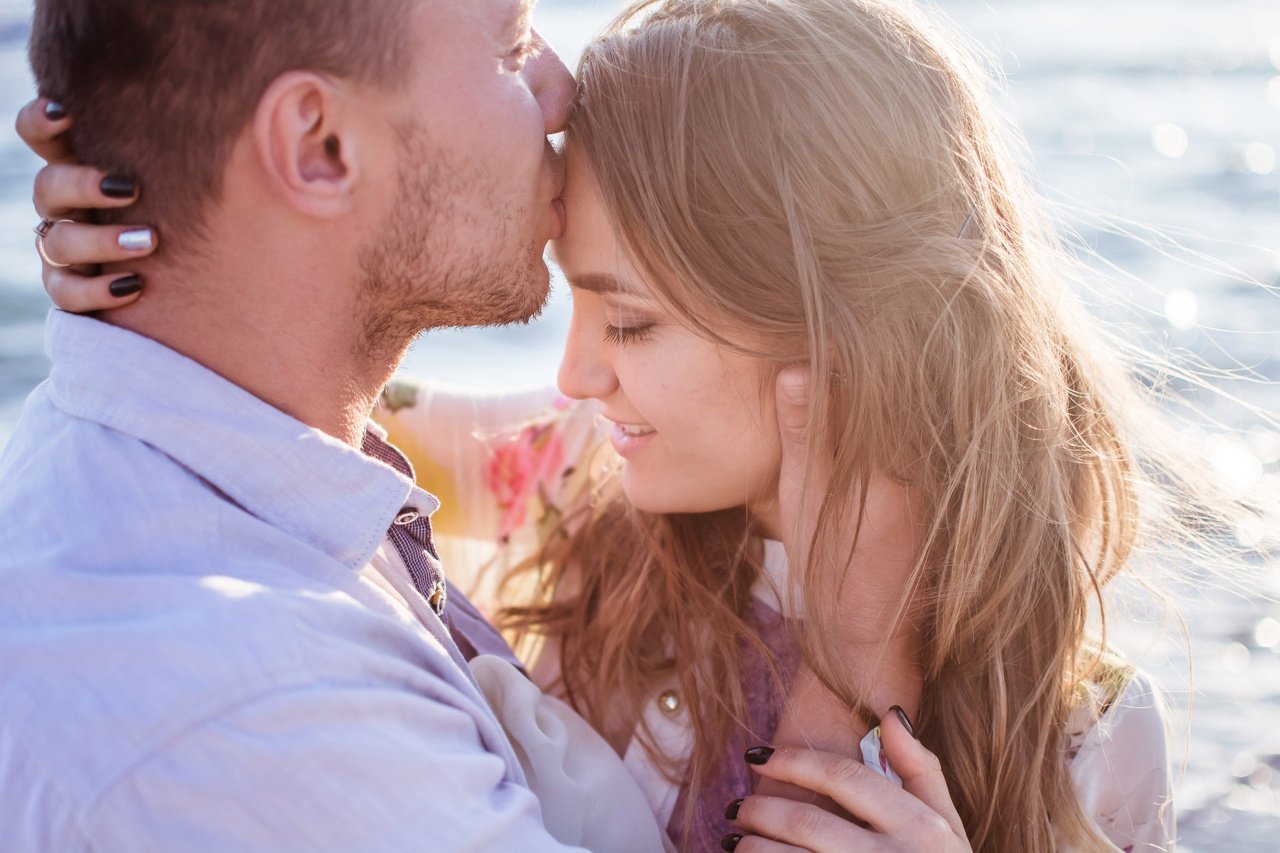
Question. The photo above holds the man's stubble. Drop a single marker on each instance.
(452, 253)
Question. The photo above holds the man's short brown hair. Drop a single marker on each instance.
(160, 89)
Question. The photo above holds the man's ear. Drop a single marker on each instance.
(305, 145)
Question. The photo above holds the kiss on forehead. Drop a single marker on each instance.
(809, 500)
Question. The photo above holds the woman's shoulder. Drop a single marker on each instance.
(540, 467)
(505, 465)
(1123, 703)
(1119, 758)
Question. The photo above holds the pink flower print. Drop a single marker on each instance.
(519, 470)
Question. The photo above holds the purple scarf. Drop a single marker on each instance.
(764, 707)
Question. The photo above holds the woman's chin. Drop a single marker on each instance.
(660, 498)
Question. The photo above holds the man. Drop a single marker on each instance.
(224, 625)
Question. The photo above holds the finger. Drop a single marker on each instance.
(756, 844)
(855, 787)
(78, 243)
(81, 294)
(42, 125)
(801, 824)
(64, 187)
(919, 769)
(800, 490)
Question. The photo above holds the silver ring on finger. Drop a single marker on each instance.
(42, 230)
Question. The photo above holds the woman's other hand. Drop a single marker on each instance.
(919, 816)
(64, 190)
(882, 538)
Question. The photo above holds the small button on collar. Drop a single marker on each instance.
(437, 599)
(669, 701)
(408, 515)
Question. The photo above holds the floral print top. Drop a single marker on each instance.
(506, 467)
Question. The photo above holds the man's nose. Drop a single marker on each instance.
(552, 85)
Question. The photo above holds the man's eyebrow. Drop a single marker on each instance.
(600, 282)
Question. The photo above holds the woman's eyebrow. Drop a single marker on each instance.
(602, 283)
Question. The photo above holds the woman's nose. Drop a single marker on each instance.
(585, 372)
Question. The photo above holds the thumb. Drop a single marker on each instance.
(919, 769)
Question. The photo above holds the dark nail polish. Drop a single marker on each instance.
(758, 754)
(118, 186)
(902, 715)
(731, 812)
(125, 286)
(730, 842)
(55, 111)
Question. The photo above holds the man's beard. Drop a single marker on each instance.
(415, 274)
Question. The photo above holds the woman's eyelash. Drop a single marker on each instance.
(622, 335)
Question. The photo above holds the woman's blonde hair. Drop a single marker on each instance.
(827, 179)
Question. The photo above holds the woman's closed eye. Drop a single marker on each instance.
(623, 335)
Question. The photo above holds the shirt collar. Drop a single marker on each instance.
(291, 476)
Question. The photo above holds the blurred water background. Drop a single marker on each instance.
(1142, 114)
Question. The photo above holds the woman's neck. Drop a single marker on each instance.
(881, 658)
(815, 718)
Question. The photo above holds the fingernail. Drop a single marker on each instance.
(902, 715)
(55, 111)
(731, 812)
(118, 186)
(125, 286)
(730, 842)
(758, 754)
(136, 240)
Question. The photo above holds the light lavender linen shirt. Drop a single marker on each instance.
(206, 644)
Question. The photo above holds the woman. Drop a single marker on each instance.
(755, 185)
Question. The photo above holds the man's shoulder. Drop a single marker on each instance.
(95, 679)
(143, 604)
(138, 599)
(213, 691)
(111, 552)
(62, 470)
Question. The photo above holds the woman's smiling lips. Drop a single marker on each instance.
(630, 439)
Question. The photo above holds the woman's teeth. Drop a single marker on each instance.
(634, 430)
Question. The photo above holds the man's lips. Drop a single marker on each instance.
(558, 214)
(557, 168)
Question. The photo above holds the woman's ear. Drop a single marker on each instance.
(305, 145)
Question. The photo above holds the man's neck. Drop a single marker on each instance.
(296, 349)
